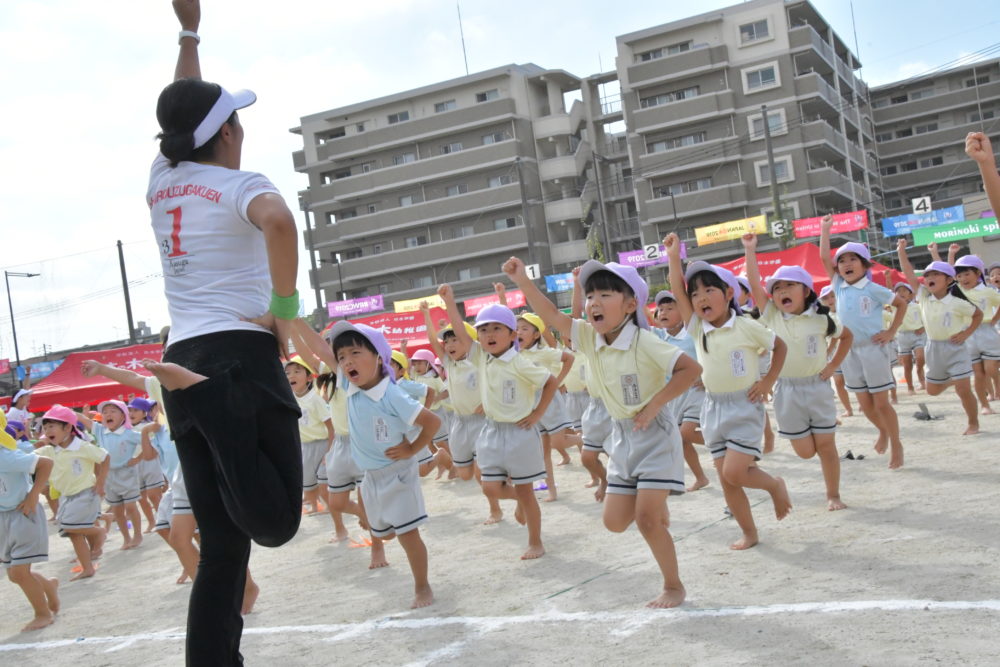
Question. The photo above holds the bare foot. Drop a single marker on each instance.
(39, 622)
(183, 578)
(592, 483)
(911, 392)
(495, 517)
(565, 459)
(51, 586)
(700, 483)
(172, 376)
(847, 413)
(973, 428)
(378, 556)
(782, 501)
(834, 504)
(670, 597)
(601, 491)
(249, 598)
(745, 542)
(533, 552)
(84, 574)
(126, 545)
(923, 387)
(987, 410)
(423, 597)
(136, 541)
(552, 497)
(98, 549)
(340, 536)
(882, 443)
(896, 461)
(148, 530)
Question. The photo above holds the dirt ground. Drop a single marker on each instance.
(907, 574)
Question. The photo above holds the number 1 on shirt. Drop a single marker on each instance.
(175, 233)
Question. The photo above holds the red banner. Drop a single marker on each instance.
(4, 366)
(397, 327)
(515, 299)
(842, 222)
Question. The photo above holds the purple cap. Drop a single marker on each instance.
(826, 290)
(994, 265)
(941, 267)
(859, 249)
(664, 294)
(744, 283)
(725, 274)
(626, 273)
(791, 273)
(902, 284)
(972, 262)
(14, 426)
(499, 313)
(143, 404)
(375, 337)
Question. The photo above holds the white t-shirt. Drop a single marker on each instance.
(18, 415)
(215, 268)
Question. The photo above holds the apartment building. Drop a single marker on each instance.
(444, 182)
(692, 94)
(920, 128)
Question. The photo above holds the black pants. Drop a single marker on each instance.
(237, 438)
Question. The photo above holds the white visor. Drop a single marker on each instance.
(220, 113)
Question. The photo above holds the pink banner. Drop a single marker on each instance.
(4, 366)
(640, 258)
(842, 222)
(515, 299)
(365, 304)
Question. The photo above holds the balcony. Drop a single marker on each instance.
(565, 166)
(805, 37)
(689, 63)
(695, 203)
(932, 177)
(573, 252)
(706, 105)
(936, 104)
(828, 178)
(687, 158)
(424, 213)
(812, 84)
(558, 125)
(571, 208)
(944, 137)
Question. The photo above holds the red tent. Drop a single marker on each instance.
(67, 386)
(807, 256)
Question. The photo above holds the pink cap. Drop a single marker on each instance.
(61, 413)
(423, 355)
(121, 406)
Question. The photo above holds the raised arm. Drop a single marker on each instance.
(317, 347)
(552, 316)
(673, 246)
(825, 225)
(576, 311)
(457, 323)
(753, 271)
(932, 248)
(979, 148)
(905, 266)
(304, 350)
(189, 14)
(501, 293)
(432, 331)
(953, 253)
(90, 368)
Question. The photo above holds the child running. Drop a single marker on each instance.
(732, 416)
(510, 447)
(645, 459)
(867, 367)
(984, 344)
(315, 434)
(151, 475)
(950, 319)
(803, 400)
(384, 440)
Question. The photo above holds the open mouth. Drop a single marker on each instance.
(598, 317)
(353, 374)
(786, 301)
(705, 310)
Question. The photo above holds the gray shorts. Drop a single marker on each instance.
(180, 504)
(151, 475)
(555, 418)
(23, 540)
(649, 459)
(576, 405)
(687, 406)
(596, 426)
(122, 485)
(946, 361)
(442, 432)
(465, 433)
(908, 341)
(425, 455)
(803, 406)
(868, 368)
(394, 503)
(78, 511)
(313, 463)
(165, 511)
(984, 344)
(507, 450)
(729, 421)
(342, 473)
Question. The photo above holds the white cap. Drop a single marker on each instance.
(220, 112)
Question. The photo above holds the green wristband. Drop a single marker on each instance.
(285, 307)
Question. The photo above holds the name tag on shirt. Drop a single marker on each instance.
(3, 487)
(630, 389)
(738, 363)
(865, 303)
(509, 392)
(77, 467)
(470, 381)
(812, 345)
(381, 430)
(946, 320)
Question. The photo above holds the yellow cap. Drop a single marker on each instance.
(469, 329)
(5, 438)
(301, 362)
(401, 359)
(533, 320)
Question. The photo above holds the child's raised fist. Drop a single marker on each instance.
(978, 147)
(954, 247)
(826, 223)
(901, 245)
(932, 246)
(514, 268)
(672, 243)
(576, 271)
(749, 240)
(445, 291)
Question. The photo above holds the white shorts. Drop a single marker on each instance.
(78, 511)
(908, 341)
(165, 512)
(394, 503)
(313, 463)
(151, 475)
(442, 432)
(576, 405)
(596, 426)
(465, 433)
(507, 450)
(652, 458)
(803, 406)
(946, 361)
(342, 473)
(181, 504)
(555, 418)
(984, 344)
(687, 406)
(122, 485)
(729, 421)
(23, 540)
(868, 368)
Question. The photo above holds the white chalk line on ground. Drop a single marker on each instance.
(627, 622)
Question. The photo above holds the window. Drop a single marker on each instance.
(931, 162)
(404, 158)
(921, 94)
(504, 223)
(377, 249)
(469, 273)
(372, 208)
(895, 202)
(494, 138)
(899, 99)
(406, 200)
(880, 102)
(454, 190)
(646, 56)
(908, 166)
(683, 188)
(367, 167)
(889, 171)
(677, 142)
(975, 116)
(453, 147)
(883, 136)
(335, 133)
(678, 48)
(761, 78)
(414, 241)
(497, 181)
(421, 281)
(978, 81)
(905, 132)
(447, 105)
(360, 127)
(347, 213)
(775, 121)
(463, 231)
(399, 117)
(353, 253)
(487, 95)
(666, 98)
(924, 129)
(752, 32)
(782, 170)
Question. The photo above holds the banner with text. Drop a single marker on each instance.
(408, 326)
(515, 299)
(727, 231)
(559, 282)
(898, 225)
(651, 255)
(409, 305)
(962, 230)
(365, 304)
(842, 222)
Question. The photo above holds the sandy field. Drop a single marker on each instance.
(908, 574)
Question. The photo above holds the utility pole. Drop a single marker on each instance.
(775, 201)
(128, 301)
(13, 329)
(524, 212)
(600, 203)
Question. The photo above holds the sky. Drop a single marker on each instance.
(80, 82)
